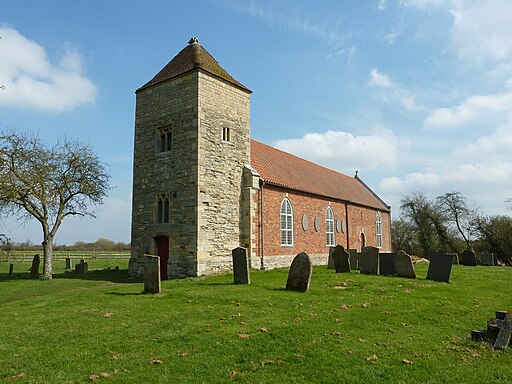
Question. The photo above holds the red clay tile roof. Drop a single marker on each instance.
(283, 169)
(193, 56)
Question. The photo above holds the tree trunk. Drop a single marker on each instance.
(48, 258)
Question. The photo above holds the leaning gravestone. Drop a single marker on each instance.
(330, 260)
(488, 259)
(440, 267)
(34, 269)
(403, 264)
(468, 258)
(341, 259)
(299, 276)
(152, 283)
(369, 261)
(386, 264)
(82, 267)
(354, 264)
(240, 266)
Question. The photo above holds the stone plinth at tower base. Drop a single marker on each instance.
(152, 282)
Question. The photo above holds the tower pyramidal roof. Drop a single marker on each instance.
(190, 58)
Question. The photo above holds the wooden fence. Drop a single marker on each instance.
(59, 255)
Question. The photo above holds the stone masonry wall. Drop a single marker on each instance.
(170, 105)
(221, 164)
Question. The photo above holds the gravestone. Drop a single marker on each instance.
(11, 269)
(82, 267)
(455, 258)
(440, 267)
(330, 261)
(240, 266)
(369, 261)
(68, 263)
(505, 333)
(488, 259)
(498, 332)
(341, 259)
(354, 263)
(403, 264)
(386, 264)
(152, 283)
(468, 258)
(299, 276)
(34, 269)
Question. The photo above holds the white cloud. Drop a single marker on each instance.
(381, 5)
(472, 108)
(343, 151)
(31, 81)
(378, 79)
(496, 147)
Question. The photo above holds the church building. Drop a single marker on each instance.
(202, 186)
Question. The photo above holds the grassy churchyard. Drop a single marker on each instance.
(348, 328)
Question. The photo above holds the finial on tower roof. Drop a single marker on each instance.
(193, 40)
(357, 174)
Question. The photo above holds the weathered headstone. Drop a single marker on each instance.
(11, 269)
(34, 269)
(299, 276)
(468, 258)
(341, 259)
(488, 259)
(330, 260)
(455, 256)
(369, 261)
(152, 283)
(240, 266)
(82, 267)
(440, 267)
(386, 264)
(505, 333)
(68, 263)
(354, 263)
(404, 266)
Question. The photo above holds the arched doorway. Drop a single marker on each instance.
(162, 250)
(363, 241)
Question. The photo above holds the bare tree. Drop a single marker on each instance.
(49, 184)
(456, 210)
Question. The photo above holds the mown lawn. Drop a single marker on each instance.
(348, 328)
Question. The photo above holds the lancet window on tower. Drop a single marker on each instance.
(162, 208)
(164, 140)
(226, 134)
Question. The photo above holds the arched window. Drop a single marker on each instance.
(378, 230)
(286, 223)
(329, 227)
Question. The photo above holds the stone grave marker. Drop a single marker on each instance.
(440, 267)
(403, 264)
(341, 259)
(82, 267)
(387, 264)
(11, 269)
(299, 276)
(354, 263)
(455, 258)
(152, 283)
(330, 261)
(468, 258)
(488, 259)
(369, 261)
(68, 263)
(240, 266)
(498, 332)
(34, 269)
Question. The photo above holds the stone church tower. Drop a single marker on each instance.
(192, 141)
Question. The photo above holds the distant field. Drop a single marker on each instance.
(349, 328)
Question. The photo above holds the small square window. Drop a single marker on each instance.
(226, 134)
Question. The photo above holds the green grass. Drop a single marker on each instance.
(207, 330)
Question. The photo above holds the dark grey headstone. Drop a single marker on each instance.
(354, 257)
(299, 276)
(404, 266)
(488, 259)
(152, 282)
(369, 261)
(455, 258)
(440, 267)
(505, 333)
(82, 267)
(468, 258)
(240, 266)
(341, 259)
(34, 269)
(68, 263)
(386, 264)
(11, 269)
(330, 261)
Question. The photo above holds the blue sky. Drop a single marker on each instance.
(415, 94)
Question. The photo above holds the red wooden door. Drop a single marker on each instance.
(162, 250)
